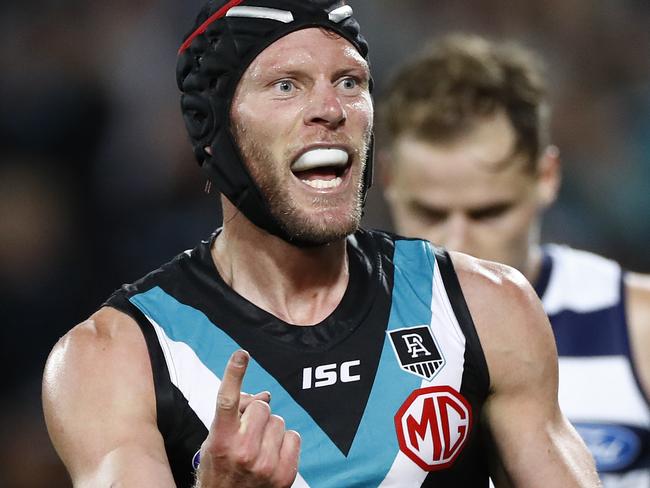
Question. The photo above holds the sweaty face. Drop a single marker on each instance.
(302, 117)
(472, 195)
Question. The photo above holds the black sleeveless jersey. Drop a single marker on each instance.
(387, 391)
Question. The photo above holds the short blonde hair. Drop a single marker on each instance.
(456, 80)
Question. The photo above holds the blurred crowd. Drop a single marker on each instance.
(98, 184)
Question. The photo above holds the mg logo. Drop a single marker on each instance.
(432, 426)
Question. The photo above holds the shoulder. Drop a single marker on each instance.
(637, 295)
(108, 340)
(106, 351)
(515, 335)
(106, 333)
(99, 405)
(494, 289)
(98, 372)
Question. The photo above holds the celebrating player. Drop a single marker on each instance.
(380, 361)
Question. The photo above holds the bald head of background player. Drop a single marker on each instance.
(466, 162)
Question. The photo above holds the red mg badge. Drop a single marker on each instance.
(432, 426)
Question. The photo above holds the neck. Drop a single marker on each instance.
(301, 286)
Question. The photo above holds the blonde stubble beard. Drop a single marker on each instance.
(296, 223)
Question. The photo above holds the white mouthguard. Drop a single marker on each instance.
(320, 157)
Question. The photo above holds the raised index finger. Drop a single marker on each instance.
(226, 418)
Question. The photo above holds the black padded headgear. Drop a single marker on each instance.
(227, 37)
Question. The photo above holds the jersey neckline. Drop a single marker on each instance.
(365, 272)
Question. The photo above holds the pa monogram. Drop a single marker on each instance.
(417, 351)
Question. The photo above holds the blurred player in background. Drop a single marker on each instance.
(467, 164)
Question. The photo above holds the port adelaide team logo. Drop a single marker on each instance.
(417, 351)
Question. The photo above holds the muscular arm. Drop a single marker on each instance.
(637, 297)
(536, 445)
(99, 404)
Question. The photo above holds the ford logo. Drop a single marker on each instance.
(614, 447)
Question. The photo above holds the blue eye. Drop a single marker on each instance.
(349, 83)
(285, 86)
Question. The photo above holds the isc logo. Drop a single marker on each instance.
(329, 374)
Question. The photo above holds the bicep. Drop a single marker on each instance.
(535, 444)
(99, 407)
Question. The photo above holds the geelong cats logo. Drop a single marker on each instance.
(417, 351)
(432, 426)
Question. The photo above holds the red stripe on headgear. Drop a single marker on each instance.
(201, 29)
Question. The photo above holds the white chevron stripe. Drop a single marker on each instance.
(451, 341)
(195, 381)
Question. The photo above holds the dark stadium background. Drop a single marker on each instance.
(98, 184)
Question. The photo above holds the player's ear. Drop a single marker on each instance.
(549, 175)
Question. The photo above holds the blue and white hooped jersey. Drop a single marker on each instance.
(385, 392)
(599, 391)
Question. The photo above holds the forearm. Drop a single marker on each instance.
(572, 460)
(550, 455)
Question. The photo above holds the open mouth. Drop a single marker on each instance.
(322, 168)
